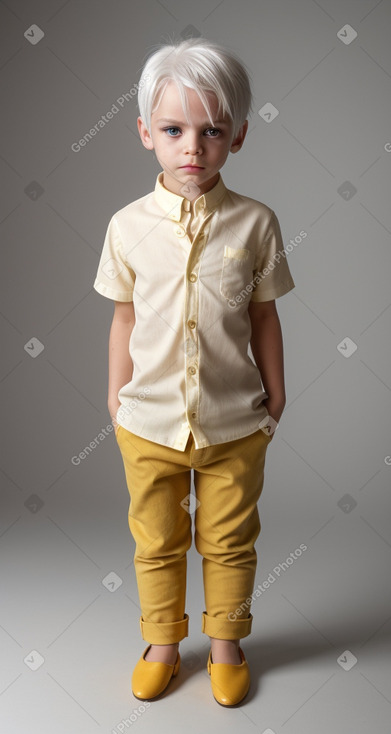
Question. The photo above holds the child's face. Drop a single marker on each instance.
(177, 144)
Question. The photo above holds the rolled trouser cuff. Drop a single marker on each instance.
(164, 633)
(225, 628)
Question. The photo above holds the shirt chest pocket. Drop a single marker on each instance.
(236, 272)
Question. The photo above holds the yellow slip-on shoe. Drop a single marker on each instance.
(150, 678)
(230, 682)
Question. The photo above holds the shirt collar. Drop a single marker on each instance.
(175, 205)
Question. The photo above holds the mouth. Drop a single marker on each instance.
(194, 168)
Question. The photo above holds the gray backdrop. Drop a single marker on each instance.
(69, 632)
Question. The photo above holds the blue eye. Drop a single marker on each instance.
(214, 129)
(166, 129)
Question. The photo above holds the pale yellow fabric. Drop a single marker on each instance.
(190, 271)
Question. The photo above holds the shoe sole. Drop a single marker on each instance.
(230, 705)
(153, 698)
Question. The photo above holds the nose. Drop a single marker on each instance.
(192, 143)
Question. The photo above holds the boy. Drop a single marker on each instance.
(194, 270)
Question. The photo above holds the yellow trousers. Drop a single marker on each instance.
(228, 480)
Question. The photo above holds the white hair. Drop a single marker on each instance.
(204, 66)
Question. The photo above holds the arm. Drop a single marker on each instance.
(267, 348)
(120, 362)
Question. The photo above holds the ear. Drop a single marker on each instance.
(239, 139)
(144, 135)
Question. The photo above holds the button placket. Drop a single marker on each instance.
(190, 322)
(180, 230)
(191, 311)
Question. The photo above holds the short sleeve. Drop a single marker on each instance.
(272, 277)
(114, 278)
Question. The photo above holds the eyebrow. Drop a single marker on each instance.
(183, 124)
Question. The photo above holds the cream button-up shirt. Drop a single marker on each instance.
(191, 269)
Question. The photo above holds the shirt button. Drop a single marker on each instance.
(193, 277)
(179, 231)
(192, 370)
(191, 324)
(194, 415)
